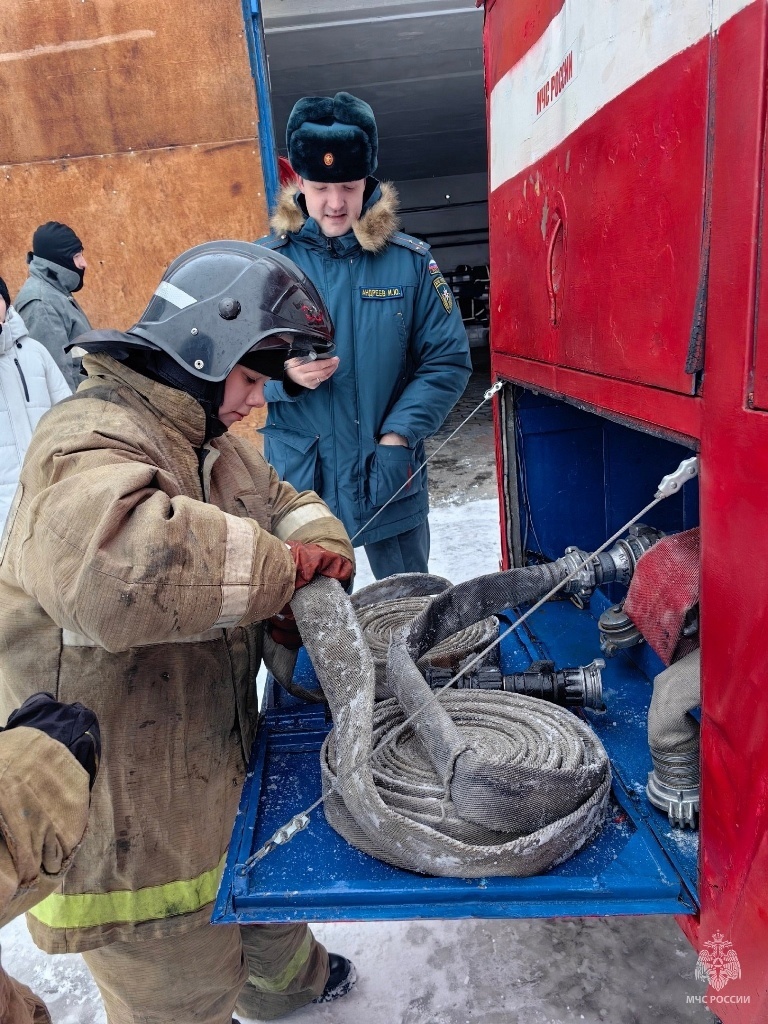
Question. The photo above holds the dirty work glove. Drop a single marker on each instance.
(71, 724)
(283, 629)
(312, 560)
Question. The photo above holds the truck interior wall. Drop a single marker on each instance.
(137, 125)
(455, 227)
(581, 476)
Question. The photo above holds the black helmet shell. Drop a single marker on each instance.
(221, 300)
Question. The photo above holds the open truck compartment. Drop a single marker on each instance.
(572, 478)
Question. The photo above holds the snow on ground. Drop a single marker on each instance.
(557, 971)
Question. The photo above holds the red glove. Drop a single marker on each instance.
(283, 629)
(312, 560)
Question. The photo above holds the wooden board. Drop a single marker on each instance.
(135, 212)
(83, 77)
(135, 123)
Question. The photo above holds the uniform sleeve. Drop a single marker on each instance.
(303, 516)
(439, 349)
(109, 554)
(274, 391)
(296, 515)
(43, 813)
(50, 330)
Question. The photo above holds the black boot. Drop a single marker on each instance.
(341, 979)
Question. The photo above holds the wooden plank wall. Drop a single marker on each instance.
(136, 123)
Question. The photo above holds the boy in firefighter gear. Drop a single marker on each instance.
(144, 550)
(353, 427)
(49, 756)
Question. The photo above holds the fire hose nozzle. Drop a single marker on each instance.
(580, 687)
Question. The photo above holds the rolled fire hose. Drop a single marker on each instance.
(479, 783)
(386, 606)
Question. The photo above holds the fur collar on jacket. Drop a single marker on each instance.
(377, 224)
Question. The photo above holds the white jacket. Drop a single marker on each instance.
(30, 383)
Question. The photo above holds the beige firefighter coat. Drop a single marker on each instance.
(134, 574)
(43, 812)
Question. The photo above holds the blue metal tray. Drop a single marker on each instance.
(637, 865)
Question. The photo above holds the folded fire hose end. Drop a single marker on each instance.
(478, 783)
(673, 736)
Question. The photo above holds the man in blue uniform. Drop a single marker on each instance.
(353, 427)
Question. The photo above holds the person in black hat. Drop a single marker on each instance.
(355, 428)
(45, 302)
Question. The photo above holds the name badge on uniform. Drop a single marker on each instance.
(381, 293)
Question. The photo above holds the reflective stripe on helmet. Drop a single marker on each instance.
(174, 295)
(88, 910)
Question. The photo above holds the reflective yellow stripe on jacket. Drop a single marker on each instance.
(85, 910)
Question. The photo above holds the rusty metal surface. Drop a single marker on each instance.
(134, 212)
(83, 77)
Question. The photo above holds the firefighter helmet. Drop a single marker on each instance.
(218, 302)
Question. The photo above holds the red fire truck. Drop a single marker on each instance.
(627, 181)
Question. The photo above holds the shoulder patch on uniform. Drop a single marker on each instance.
(433, 267)
(408, 242)
(272, 241)
(444, 291)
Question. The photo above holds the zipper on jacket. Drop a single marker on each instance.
(23, 379)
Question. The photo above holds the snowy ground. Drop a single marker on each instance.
(620, 970)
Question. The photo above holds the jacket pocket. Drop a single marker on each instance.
(392, 466)
(295, 457)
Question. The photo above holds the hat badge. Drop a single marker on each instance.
(328, 159)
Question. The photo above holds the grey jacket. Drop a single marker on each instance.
(52, 316)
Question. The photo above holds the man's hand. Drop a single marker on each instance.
(311, 374)
(71, 724)
(392, 438)
(283, 629)
(312, 560)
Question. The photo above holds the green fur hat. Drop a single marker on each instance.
(332, 138)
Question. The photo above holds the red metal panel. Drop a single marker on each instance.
(758, 395)
(734, 437)
(595, 248)
(521, 25)
(676, 416)
(734, 585)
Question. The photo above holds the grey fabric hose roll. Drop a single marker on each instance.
(479, 783)
(387, 605)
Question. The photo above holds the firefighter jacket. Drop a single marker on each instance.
(51, 313)
(30, 383)
(137, 567)
(43, 813)
(404, 362)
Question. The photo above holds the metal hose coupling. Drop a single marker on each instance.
(673, 786)
(580, 687)
(617, 631)
(616, 565)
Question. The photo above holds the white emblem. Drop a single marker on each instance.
(718, 963)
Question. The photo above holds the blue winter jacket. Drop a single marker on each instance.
(404, 362)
